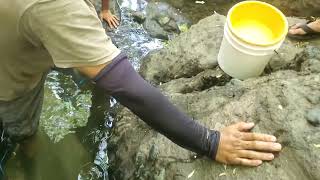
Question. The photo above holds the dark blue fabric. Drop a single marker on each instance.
(121, 81)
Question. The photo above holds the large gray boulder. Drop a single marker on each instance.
(278, 102)
(188, 54)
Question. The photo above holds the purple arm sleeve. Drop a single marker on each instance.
(121, 81)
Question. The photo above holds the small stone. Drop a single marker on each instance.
(314, 65)
(313, 116)
(235, 82)
(154, 152)
(171, 26)
(280, 107)
(138, 16)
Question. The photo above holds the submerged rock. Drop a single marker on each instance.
(138, 16)
(186, 72)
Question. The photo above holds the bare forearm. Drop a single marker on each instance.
(105, 5)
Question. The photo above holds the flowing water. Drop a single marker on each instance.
(77, 117)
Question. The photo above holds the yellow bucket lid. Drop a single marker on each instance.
(257, 23)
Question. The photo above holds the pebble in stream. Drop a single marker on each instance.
(313, 116)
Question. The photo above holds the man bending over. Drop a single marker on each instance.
(36, 35)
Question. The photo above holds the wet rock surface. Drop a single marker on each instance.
(278, 103)
(187, 55)
(164, 21)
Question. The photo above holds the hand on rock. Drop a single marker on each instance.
(238, 146)
(112, 20)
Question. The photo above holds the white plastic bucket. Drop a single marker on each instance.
(241, 57)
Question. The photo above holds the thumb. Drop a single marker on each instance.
(243, 126)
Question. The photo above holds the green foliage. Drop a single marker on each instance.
(183, 28)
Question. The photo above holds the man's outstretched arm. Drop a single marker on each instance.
(233, 145)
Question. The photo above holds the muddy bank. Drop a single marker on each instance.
(278, 102)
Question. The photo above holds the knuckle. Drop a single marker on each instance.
(253, 155)
(248, 155)
(236, 144)
(238, 135)
(241, 135)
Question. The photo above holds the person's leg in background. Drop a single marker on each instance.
(305, 31)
